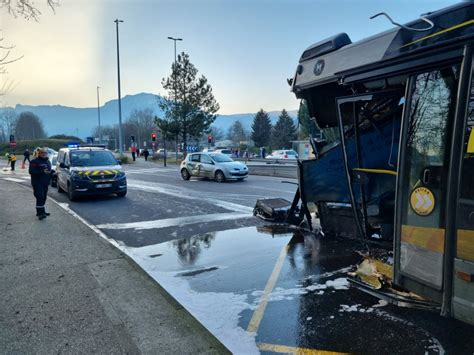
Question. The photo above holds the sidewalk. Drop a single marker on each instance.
(66, 290)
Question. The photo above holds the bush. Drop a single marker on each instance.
(124, 159)
(21, 146)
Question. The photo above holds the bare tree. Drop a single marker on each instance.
(8, 120)
(142, 124)
(26, 8)
(17, 8)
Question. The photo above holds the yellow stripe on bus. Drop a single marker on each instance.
(377, 171)
(465, 247)
(459, 25)
(427, 238)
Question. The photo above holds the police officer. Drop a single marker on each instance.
(40, 171)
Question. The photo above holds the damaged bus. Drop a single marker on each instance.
(395, 167)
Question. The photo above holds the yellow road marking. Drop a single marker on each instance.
(377, 171)
(258, 314)
(292, 350)
(470, 22)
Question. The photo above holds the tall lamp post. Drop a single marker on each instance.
(175, 88)
(119, 93)
(98, 115)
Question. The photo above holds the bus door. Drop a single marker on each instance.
(422, 183)
(463, 298)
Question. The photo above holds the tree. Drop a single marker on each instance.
(8, 120)
(304, 121)
(29, 126)
(261, 129)
(216, 133)
(26, 8)
(143, 124)
(237, 132)
(283, 132)
(190, 107)
(17, 8)
(65, 136)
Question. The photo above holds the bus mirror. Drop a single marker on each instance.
(470, 143)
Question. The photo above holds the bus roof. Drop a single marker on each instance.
(329, 60)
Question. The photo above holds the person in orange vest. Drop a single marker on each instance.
(12, 160)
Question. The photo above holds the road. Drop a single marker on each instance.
(257, 291)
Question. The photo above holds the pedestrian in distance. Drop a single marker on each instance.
(26, 156)
(134, 152)
(12, 161)
(40, 171)
(146, 153)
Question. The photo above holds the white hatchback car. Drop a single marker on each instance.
(213, 166)
(283, 154)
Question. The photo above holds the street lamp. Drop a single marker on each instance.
(98, 115)
(175, 88)
(119, 93)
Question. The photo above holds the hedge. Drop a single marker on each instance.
(32, 144)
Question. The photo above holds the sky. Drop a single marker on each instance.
(246, 48)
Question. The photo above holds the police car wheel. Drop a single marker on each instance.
(185, 174)
(70, 193)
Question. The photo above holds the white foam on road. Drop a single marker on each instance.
(219, 312)
(175, 192)
(175, 222)
(13, 179)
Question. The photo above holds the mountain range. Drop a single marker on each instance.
(58, 119)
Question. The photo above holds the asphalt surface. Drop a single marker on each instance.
(256, 291)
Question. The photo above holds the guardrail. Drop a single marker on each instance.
(250, 161)
(288, 171)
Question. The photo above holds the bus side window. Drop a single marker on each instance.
(465, 217)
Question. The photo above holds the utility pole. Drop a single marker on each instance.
(175, 88)
(98, 115)
(119, 92)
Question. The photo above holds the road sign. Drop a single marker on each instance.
(12, 144)
(422, 201)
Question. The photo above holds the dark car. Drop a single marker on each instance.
(89, 170)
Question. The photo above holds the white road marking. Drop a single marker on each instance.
(13, 179)
(25, 177)
(175, 222)
(65, 207)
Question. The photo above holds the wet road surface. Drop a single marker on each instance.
(255, 291)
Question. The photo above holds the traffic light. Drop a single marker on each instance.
(12, 138)
(132, 139)
(209, 139)
(153, 137)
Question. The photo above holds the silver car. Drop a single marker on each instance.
(213, 166)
